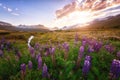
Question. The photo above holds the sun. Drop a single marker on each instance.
(76, 17)
(80, 16)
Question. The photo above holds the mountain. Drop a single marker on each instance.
(107, 23)
(4, 23)
(10, 27)
(6, 26)
(111, 22)
(32, 28)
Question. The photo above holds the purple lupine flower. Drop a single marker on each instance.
(66, 46)
(39, 63)
(23, 70)
(30, 65)
(115, 69)
(45, 71)
(91, 42)
(109, 48)
(113, 66)
(81, 51)
(84, 38)
(1, 53)
(23, 67)
(97, 46)
(87, 65)
(90, 49)
(37, 45)
(47, 52)
(118, 54)
(37, 56)
(118, 70)
(66, 49)
(88, 58)
(32, 51)
(84, 43)
(80, 55)
(52, 50)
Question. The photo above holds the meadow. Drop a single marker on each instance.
(60, 55)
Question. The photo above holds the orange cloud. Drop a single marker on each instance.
(83, 5)
(66, 10)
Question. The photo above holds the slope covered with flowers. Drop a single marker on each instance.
(85, 59)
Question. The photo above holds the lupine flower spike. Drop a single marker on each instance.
(115, 70)
(109, 48)
(87, 65)
(30, 65)
(80, 55)
(23, 70)
(45, 71)
(118, 54)
(32, 51)
(39, 63)
(66, 48)
(52, 52)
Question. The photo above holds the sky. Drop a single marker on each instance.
(56, 13)
(29, 11)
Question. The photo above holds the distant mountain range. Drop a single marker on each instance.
(32, 28)
(106, 23)
(10, 27)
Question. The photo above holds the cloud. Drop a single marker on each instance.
(66, 10)
(82, 5)
(0, 4)
(16, 9)
(10, 10)
(4, 7)
(85, 11)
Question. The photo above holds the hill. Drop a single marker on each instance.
(10, 27)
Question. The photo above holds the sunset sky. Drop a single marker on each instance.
(56, 13)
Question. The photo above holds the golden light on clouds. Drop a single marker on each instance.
(84, 11)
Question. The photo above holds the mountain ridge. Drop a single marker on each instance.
(10, 27)
(111, 22)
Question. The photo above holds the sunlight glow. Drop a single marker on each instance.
(83, 15)
(76, 17)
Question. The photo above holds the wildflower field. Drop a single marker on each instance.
(60, 55)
